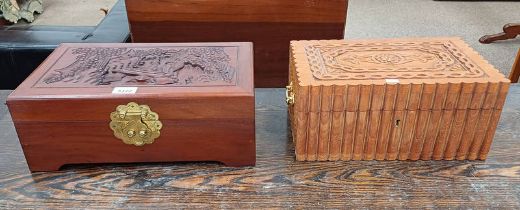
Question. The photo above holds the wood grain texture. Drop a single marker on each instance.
(511, 30)
(514, 75)
(277, 181)
(269, 24)
(398, 102)
(230, 142)
(70, 96)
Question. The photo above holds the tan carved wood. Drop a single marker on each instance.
(405, 99)
(366, 61)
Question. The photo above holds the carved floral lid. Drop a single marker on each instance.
(418, 60)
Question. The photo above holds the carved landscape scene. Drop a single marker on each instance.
(164, 66)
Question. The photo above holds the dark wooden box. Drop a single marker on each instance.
(269, 24)
(118, 103)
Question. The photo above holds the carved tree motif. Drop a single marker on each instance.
(145, 66)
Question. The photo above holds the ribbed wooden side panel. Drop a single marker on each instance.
(338, 123)
(396, 121)
(349, 135)
(372, 135)
(495, 118)
(472, 116)
(423, 118)
(336, 137)
(387, 121)
(459, 122)
(384, 134)
(480, 134)
(374, 126)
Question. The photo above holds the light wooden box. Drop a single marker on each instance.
(394, 99)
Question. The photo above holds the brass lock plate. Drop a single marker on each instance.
(289, 94)
(135, 124)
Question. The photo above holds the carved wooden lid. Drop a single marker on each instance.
(94, 70)
(179, 81)
(405, 61)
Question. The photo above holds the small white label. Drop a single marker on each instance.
(392, 81)
(124, 90)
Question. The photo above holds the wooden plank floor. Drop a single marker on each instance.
(277, 181)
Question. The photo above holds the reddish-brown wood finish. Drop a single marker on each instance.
(514, 75)
(511, 30)
(276, 182)
(70, 125)
(269, 24)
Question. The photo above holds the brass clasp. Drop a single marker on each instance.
(135, 124)
(289, 94)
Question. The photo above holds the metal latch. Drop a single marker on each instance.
(289, 94)
(135, 124)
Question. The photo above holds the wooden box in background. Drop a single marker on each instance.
(122, 103)
(269, 24)
(404, 99)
